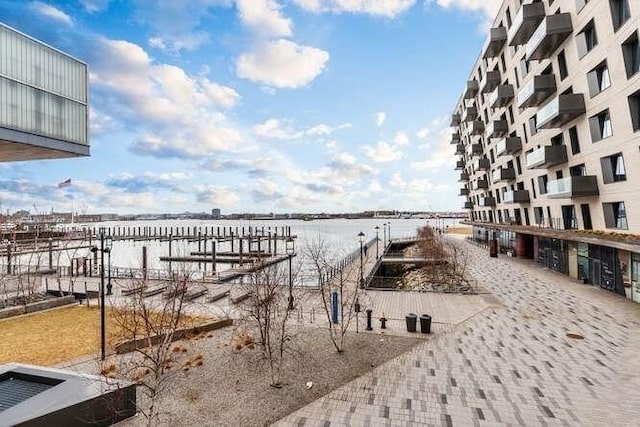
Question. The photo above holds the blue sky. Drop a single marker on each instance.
(256, 105)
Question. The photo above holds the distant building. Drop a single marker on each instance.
(215, 213)
(43, 100)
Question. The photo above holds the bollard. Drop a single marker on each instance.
(383, 322)
(369, 311)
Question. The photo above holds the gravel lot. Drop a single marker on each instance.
(231, 388)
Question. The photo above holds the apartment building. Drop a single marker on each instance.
(547, 130)
(43, 100)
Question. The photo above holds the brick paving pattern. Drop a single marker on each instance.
(509, 365)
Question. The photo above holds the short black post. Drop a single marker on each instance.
(369, 311)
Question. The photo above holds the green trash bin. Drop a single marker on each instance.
(412, 320)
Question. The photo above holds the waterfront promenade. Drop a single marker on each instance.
(508, 365)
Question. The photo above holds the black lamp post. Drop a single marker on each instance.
(361, 239)
(389, 230)
(377, 239)
(109, 245)
(105, 246)
(384, 234)
(290, 248)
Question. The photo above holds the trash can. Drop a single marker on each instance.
(493, 248)
(425, 324)
(412, 320)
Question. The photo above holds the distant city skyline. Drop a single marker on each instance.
(256, 105)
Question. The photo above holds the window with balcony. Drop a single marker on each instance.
(575, 142)
(634, 110)
(538, 215)
(542, 184)
(586, 39)
(580, 4)
(569, 219)
(557, 140)
(598, 79)
(613, 169)
(524, 68)
(532, 125)
(600, 126)
(578, 170)
(586, 216)
(562, 65)
(619, 13)
(615, 215)
(631, 54)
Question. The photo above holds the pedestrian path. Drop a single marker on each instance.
(555, 353)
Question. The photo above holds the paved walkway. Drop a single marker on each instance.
(510, 365)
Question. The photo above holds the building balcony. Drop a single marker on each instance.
(503, 174)
(467, 205)
(471, 90)
(488, 201)
(517, 196)
(469, 114)
(463, 177)
(476, 127)
(460, 149)
(547, 156)
(464, 192)
(509, 146)
(525, 23)
(490, 81)
(481, 184)
(573, 186)
(495, 42)
(497, 128)
(482, 164)
(536, 90)
(474, 149)
(560, 110)
(501, 96)
(455, 120)
(455, 138)
(552, 31)
(460, 165)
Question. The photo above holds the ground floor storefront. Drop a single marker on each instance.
(601, 265)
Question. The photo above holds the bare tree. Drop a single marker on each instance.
(152, 325)
(267, 313)
(343, 279)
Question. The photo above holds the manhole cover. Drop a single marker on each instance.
(575, 336)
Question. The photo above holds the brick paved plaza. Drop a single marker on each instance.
(508, 365)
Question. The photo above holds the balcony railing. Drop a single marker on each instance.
(455, 120)
(536, 90)
(495, 42)
(549, 35)
(503, 174)
(501, 96)
(463, 177)
(464, 192)
(469, 114)
(560, 110)
(482, 164)
(497, 128)
(476, 127)
(547, 156)
(467, 205)
(490, 81)
(573, 186)
(517, 196)
(508, 146)
(455, 138)
(471, 90)
(474, 149)
(481, 184)
(459, 148)
(488, 201)
(525, 23)
(460, 164)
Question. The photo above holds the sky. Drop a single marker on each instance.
(256, 105)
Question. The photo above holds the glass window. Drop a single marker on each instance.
(586, 39)
(598, 79)
(634, 110)
(615, 215)
(575, 143)
(631, 54)
(600, 126)
(562, 65)
(613, 169)
(619, 13)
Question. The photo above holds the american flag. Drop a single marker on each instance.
(65, 183)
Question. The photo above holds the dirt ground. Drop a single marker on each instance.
(231, 388)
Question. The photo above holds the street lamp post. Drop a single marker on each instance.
(290, 248)
(377, 240)
(384, 234)
(361, 238)
(104, 247)
(389, 230)
(109, 245)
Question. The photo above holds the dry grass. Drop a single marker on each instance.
(459, 230)
(55, 336)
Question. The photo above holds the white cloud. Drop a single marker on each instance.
(50, 12)
(264, 17)
(423, 133)
(177, 43)
(401, 139)
(386, 8)
(282, 129)
(374, 186)
(282, 64)
(383, 152)
(416, 187)
(216, 195)
(440, 152)
(94, 6)
(488, 7)
(380, 116)
(175, 114)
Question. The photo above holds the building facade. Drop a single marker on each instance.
(43, 100)
(547, 130)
